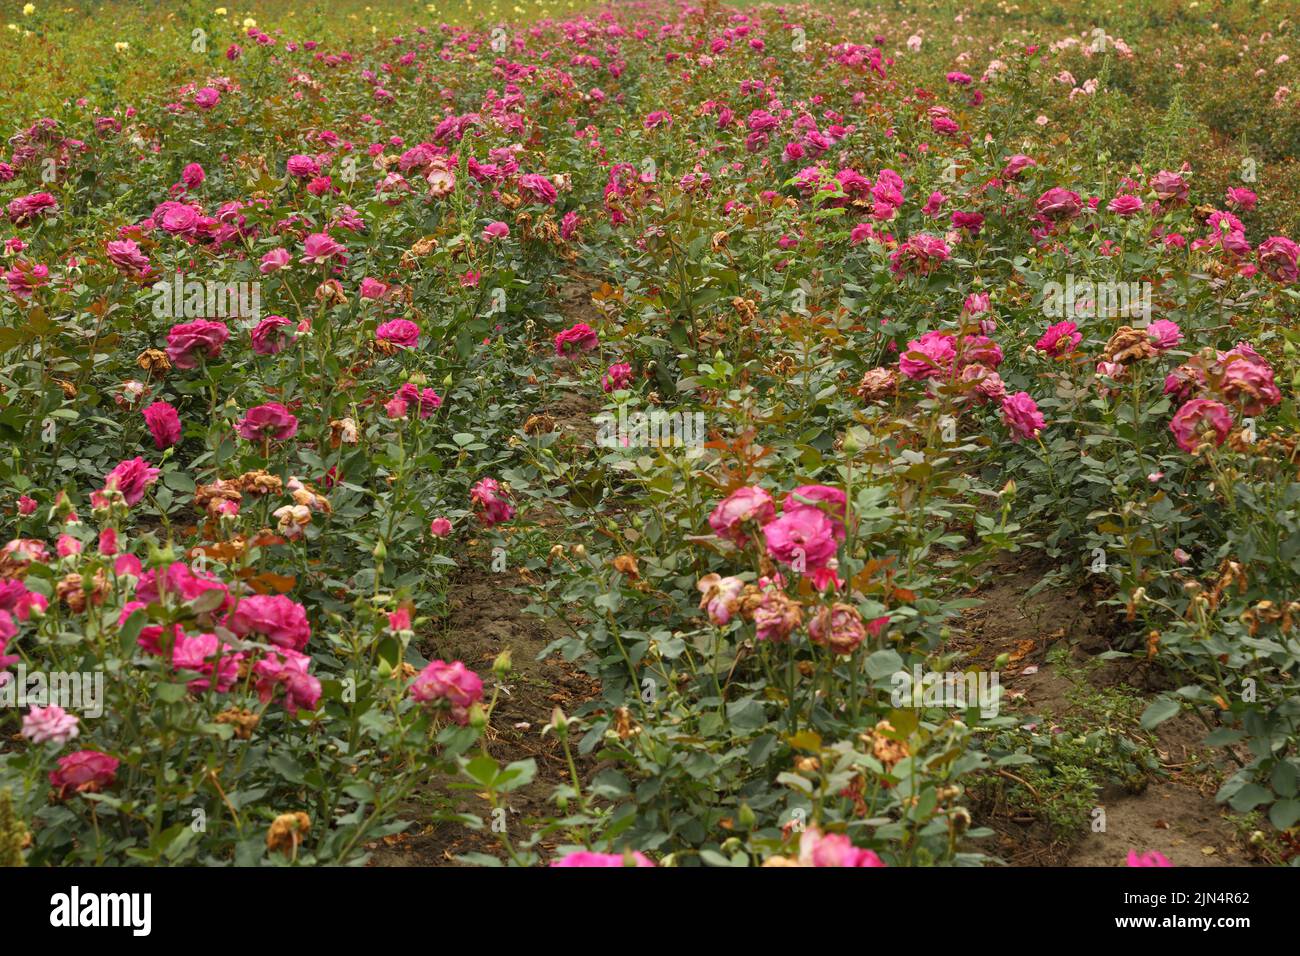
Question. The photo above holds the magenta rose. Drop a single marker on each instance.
(131, 478)
(586, 858)
(271, 335)
(271, 420)
(1022, 416)
(164, 424)
(930, 356)
(1059, 204)
(319, 248)
(576, 339)
(1279, 258)
(189, 341)
(126, 255)
(400, 332)
(287, 669)
(803, 538)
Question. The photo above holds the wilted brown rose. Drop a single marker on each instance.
(877, 384)
(1129, 345)
(287, 831)
(154, 361)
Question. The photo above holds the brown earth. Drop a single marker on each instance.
(1175, 814)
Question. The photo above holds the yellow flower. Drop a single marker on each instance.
(29, 9)
(249, 23)
(121, 46)
(220, 11)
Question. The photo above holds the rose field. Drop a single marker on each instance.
(661, 434)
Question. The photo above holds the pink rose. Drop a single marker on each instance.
(617, 376)
(577, 338)
(126, 255)
(207, 98)
(409, 394)
(803, 538)
(288, 669)
(1164, 334)
(833, 849)
(1279, 259)
(1170, 188)
(50, 724)
(539, 187)
(86, 771)
(302, 167)
(179, 581)
(1059, 204)
(831, 501)
(280, 619)
(720, 596)
(930, 356)
(453, 684)
(204, 654)
(1058, 340)
(319, 248)
(586, 858)
(372, 288)
(440, 527)
(274, 261)
(487, 500)
(1200, 420)
(744, 505)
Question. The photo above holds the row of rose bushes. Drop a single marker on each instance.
(846, 271)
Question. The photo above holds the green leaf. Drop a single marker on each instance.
(883, 664)
(1249, 797)
(1284, 814)
(1158, 712)
(171, 693)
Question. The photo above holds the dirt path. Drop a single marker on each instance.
(485, 618)
(1054, 678)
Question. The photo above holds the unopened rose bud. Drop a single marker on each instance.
(501, 666)
(746, 816)
(559, 721)
(478, 717)
(160, 557)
